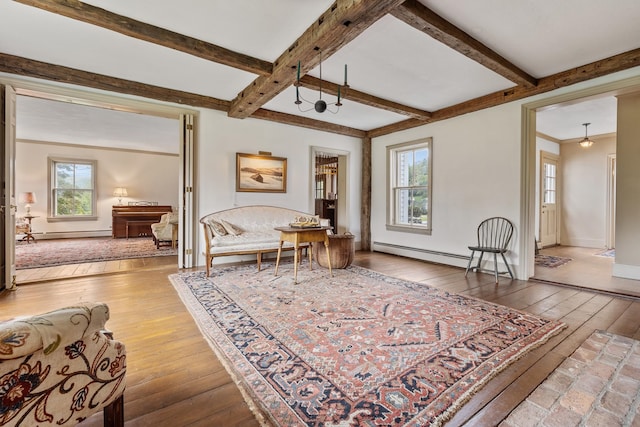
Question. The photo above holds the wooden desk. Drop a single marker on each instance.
(298, 236)
(135, 221)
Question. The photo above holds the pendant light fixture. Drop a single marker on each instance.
(320, 105)
(585, 142)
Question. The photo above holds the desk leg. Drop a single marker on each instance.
(278, 258)
(326, 248)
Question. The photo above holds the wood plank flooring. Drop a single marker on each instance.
(586, 269)
(174, 378)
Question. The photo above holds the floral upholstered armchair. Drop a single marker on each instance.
(166, 231)
(60, 367)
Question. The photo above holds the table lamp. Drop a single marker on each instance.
(120, 192)
(28, 198)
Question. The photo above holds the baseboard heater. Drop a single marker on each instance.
(428, 254)
(71, 234)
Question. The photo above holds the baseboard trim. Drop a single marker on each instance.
(626, 271)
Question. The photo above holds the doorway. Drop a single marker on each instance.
(574, 193)
(330, 180)
(183, 140)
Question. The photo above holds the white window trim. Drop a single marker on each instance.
(391, 176)
(51, 217)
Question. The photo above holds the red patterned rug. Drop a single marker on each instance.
(550, 261)
(356, 349)
(46, 253)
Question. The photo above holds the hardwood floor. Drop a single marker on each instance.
(174, 378)
(586, 269)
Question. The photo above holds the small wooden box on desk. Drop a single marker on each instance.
(135, 221)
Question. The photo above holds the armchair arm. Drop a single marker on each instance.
(59, 367)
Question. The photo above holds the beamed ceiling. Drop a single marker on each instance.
(409, 62)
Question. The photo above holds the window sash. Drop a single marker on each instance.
(409, 200)
(72, 189)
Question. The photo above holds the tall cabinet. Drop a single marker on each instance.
(326, 186)
(326, 208)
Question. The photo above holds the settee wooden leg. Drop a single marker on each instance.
(209, 264)
(259, 260)
(114, 413)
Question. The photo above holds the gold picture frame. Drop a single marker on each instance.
(261, 173)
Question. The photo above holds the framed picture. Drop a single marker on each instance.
(260, 173)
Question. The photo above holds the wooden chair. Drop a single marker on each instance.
(494, 235)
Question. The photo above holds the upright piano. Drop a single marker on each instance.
(135, 221)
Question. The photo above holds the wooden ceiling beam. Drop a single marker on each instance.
(305, 122)
(341, 23)
(583, 73)
(414, 13)
(363, 98)
(130, 27)
(57, 73)
(41, 70)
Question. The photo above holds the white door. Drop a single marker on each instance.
(8, 207)
(186, 240)
(549, 199)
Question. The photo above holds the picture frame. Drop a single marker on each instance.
(261, 173)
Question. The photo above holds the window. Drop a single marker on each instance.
(409, 197)
(72, 188)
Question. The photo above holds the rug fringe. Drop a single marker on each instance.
(455, 407)
(249, 399)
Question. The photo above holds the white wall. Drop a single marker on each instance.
(584, 192)
(147, 176)
(476, 175)
(627, 261)
(220, 138)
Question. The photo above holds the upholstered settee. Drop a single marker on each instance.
(60, 367)
(166, 231)
(245, 230)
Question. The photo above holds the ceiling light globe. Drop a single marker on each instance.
(320, 106)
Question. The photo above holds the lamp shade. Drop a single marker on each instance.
(120, 192)
(27, 198)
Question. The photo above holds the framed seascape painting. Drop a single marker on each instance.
(261, 173)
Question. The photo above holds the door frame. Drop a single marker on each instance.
(556, 158)
(611, 201)
(8, 203)
(140, 106)
(342, 215)
(526, 267)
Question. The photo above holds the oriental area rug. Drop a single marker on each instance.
(46, 253)
(355, 349)
(550, 261)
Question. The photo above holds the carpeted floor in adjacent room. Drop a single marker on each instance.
(45, 253)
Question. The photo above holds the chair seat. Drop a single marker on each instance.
(488, 249)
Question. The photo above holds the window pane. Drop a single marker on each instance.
(402, 202)
(419, 206)
(404, 167)
(64, 175)
(83, 176)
